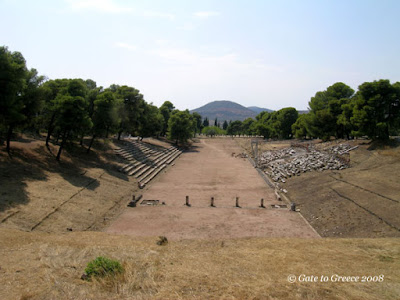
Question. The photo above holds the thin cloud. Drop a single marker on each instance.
(229, 61)
(187, 27)
(108, 6)
(112, 6)
(206, 14)
(221, 74)
(158, 14)
(126, 46)
(162, 42)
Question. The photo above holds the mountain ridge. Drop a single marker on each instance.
(258, 109)
(227, 110)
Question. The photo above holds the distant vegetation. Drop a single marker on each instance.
(341, 112)
(212, 131)
(225, 110)
(71, 109)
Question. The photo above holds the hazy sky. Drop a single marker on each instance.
(272, 54)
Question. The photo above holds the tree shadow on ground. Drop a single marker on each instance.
(13, 175)
(193, 148)
(73, 168)
(382, 145)
(30, 162)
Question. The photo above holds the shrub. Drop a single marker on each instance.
(102, 266)
(212, 130)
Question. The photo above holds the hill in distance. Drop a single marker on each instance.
(257, 109)
(260, 109)
(227, 110)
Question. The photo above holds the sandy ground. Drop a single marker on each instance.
(210, 170)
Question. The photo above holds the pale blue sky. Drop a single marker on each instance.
(272, 54)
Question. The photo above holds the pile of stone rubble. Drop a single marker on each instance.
(268, 156)
(341, 149)
(338, 148)
(284, 163)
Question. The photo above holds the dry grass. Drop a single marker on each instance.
(40, 265)
(43, 266)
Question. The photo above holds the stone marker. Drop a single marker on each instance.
(133, 202)
(187, 201)
(237, 202)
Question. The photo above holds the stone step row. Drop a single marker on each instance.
(129, 168)
(153, 171)
(145, 162)
(136, 147)
(143, 159)
(154, 174)
(138, 156)
(134, 152)
(160, 162)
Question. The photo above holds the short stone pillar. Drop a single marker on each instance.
(237, 202)
(133, 202)
(212, 202)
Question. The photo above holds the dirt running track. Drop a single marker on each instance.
(210, 170)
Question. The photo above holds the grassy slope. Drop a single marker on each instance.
(40, 265)
(81, 192)
(48, 266)
(362, 201)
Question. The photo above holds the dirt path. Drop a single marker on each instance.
(210, 170)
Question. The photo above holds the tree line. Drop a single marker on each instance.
(72, 109)
(338, 111)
